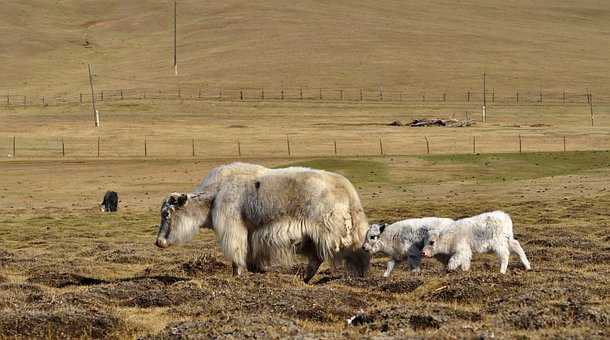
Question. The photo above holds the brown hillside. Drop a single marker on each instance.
(418, 45)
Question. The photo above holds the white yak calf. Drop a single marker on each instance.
(403, 240)
(488, 232)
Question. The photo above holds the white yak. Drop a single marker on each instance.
(488, 232)
(263, 216)
(403, 240)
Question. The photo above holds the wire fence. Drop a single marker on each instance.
(292, 146)
(354, 95)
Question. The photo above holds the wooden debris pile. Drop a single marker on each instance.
(436, 122)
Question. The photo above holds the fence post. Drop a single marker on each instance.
(241, 95)
(262, 94)
(335, 147)
(423, 97)
(591, 108)
(540, 96)
(427, 145)
(238, 148)
(122, 95)
(288, 146)
(380, 93)
(341, 94)
(564, 96)
(520, 148)
(63, 148)
(444, 97)
(517, 97)
(179, 93)
(381, 146)
(282, 94)
(468, 97)
(193, 146)
(361, 95)
(43, 101)
(493, 95)
(98, 146)
(14, 147)
(564, 143)
(199, 93)
(145, 148)
(102, 95)
(320, 93)
(301, 93)
(219, 94)
(474, 144)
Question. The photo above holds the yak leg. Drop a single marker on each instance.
(232, 235)
(237, 270)
(312, 267)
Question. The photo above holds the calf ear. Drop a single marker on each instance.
(382, 227)
(181, 200)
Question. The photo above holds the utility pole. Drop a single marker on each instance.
(175, 38)
(484, 98)
(96, 115)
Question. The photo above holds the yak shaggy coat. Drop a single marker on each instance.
(264, 216)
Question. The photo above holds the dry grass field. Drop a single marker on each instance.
(70, 271)
(67, 270)
(419, 45)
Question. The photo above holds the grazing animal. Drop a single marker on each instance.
(263, 216)
(488, 232)
(403, 240)
(110, 202)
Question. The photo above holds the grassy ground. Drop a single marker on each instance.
(67, 270)
(171, 128)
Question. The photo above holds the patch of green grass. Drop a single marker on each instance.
(515, 166)
(358, 171)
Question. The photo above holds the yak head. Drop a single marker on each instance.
(181, 217)
(373, 242)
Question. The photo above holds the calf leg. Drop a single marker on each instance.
(515, 247)
(390, 267)
(503, 254)
(460, 259)
(414, 261)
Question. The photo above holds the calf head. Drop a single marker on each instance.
(373, 242)
(431, 244)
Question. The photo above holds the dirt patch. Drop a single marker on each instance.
(203, 264)
(65, 322)
(151, 292)
(232, 326)
(404, 286)
(14, 294)
(532, 314)
(60, 280)
(122, 255)
(424, 322)
(5, 257)
(471, 287)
